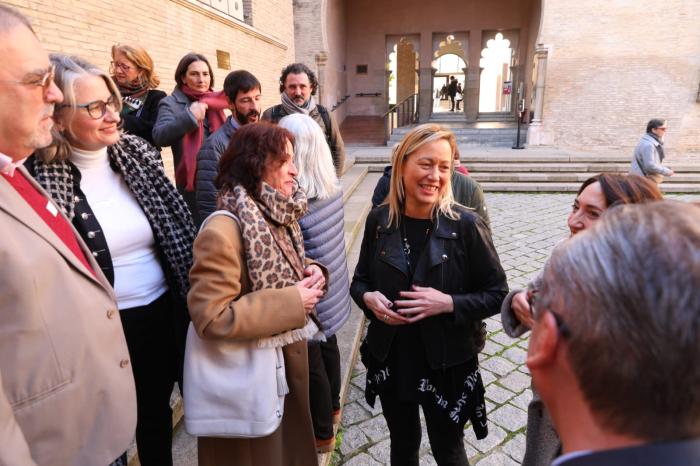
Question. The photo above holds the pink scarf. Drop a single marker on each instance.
(192, 141)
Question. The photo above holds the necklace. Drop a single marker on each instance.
(407, 244)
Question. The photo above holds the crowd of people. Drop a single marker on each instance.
(233, 282)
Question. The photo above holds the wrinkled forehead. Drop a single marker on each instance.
(21, 53)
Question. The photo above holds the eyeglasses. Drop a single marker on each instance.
(42, 79)
(97, 108)
(115, 64)
(561, 325)
(662, 128)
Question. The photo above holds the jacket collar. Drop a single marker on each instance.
(435, 252)
(15, 206)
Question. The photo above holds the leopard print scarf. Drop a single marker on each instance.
(273, 244)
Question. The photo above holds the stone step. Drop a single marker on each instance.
(351, 179)
(349, 335)
(504, 157)
(566, 177)
(572, 187)
(609, 166)
(356, 184)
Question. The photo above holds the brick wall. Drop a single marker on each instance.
(168, 29)
(613, 66)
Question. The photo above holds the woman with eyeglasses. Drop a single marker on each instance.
(132, 70)
(188, 116)
(595, 195)
(427, 273)
(114, 189)
(649, 153)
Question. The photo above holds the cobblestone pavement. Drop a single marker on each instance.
(525, 228)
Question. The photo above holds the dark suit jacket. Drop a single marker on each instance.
(682, 453)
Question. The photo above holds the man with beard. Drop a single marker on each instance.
(298, 85)
(66, 387)
(243, 92)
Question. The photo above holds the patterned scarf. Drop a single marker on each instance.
(273, 245)
(142, 169)
(291, 107)
(133, 96)
(192, 141)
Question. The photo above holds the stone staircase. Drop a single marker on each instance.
(489, 134)
(545, 169)
(357, 184)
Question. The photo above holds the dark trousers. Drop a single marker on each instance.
(324, 385)
(150, 336)
(446, 437)
(452, 102)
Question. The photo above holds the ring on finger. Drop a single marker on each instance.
(386, 317)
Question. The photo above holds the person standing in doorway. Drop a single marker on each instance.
(452, 92)
(649, 153)
(461, 95)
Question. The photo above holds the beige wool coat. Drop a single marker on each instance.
(222, 306)
(67, 391)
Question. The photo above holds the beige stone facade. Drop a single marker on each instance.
(593, 71)
(262, 44)
(605, 68)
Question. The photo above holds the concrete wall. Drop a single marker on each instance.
(370, 21)
(613, 65)
(168, 29)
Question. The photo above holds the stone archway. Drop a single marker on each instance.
(450, 59)
(402, 68)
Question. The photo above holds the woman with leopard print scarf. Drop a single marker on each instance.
(251, 280)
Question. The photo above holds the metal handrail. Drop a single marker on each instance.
(402, 114)
(340, 102)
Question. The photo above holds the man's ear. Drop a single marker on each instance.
(542, 348)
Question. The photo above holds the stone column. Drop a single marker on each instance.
(472, 76)
(425, 77)
(535, 132)
(321, 62)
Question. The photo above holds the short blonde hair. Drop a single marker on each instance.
(414, 140)
(139, 57)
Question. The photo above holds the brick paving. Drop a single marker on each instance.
(525, 228)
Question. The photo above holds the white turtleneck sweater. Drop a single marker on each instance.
(138, 275)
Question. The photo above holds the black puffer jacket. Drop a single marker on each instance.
(459, 259)
(208, 167)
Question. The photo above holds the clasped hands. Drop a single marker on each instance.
(311, 288)
(417, 304)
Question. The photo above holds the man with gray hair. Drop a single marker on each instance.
(615, 347)
(66, 388)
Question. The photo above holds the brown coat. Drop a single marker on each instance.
(67, 392)
(222, 306)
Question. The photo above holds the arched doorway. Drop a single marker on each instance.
(449, 61)
(497, 80)
(402, 69)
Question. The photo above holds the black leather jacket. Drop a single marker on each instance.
(459, 259)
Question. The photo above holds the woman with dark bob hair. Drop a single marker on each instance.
(427, 273)
(188, 116)
(252, 281)
(597, 194)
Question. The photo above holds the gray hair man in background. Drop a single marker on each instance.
(615, 348)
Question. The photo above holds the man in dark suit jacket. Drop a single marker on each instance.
(616, 340)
